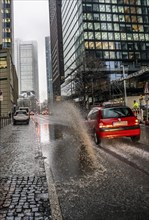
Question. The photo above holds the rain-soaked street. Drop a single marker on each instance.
(86, 182)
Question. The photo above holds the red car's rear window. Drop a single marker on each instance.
(116, 112)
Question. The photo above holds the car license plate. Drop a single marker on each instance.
(120, 123)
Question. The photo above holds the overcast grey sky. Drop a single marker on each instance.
(31, 22)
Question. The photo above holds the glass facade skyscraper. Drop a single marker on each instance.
(118, 30)
(72, 33)
(7, 23)
(56, 45)
(73, 47)
(114, 32)
(26, 60)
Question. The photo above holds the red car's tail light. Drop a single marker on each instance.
(136, 122)
(101, 125)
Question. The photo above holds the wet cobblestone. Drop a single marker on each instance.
(20, 152)
(24, 198)
(23, 184)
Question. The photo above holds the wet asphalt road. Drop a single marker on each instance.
(107, 182)
(92, 182)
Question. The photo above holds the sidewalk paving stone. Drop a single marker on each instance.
(23, 193)
(14, 205)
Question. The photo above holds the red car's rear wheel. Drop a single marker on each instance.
(96, 138)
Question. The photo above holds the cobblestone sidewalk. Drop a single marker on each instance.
(23, 183)
(24, 198)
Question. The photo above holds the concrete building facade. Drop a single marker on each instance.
(8, 82)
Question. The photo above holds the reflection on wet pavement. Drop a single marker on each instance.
(47, 133)
(43, 133)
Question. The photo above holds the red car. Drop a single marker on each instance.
(113, 122)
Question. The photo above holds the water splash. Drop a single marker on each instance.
(70, 115)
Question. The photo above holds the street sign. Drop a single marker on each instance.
(146, 88)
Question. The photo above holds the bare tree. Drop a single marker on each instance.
(90, 82)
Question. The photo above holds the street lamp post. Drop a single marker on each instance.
(124, 83)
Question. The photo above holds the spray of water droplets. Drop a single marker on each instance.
(69, 114)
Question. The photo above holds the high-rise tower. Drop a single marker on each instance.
(113, 32)
(56, 45)
(7, 23)
(26, 61)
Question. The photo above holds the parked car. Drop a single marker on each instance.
(21, 116)
(113, 122)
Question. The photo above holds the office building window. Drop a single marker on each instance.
(3, 62)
